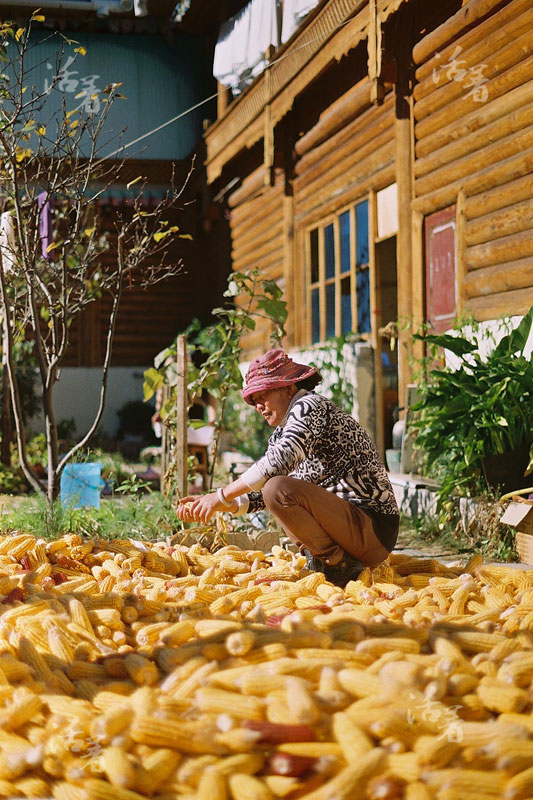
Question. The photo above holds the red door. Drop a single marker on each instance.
(441, 273)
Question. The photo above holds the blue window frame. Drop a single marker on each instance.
(338, 275)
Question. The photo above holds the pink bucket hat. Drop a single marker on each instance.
(273, 371)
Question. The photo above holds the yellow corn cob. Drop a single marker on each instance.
(350, 782)
(79, 615)
(174, 735)
(101, 790)
(113, 722)
(417, 791)
(248, 763)
(28, 653)
(59, 645)
(502, 698)
(157, 768)
(469, 780)
(239, 643)
(435, 751)
(359, 683)
(212, 786)
(476, 642)
(246, 787)
(80, 670)
(300, 702)
(218, 701)
(352, 740)
(118, 768)
(20, 711)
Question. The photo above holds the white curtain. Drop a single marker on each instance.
(7, 240)
(240, 52)
(293, 13)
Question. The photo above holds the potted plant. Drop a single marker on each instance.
(474, 421)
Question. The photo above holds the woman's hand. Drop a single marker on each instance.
(199, 508)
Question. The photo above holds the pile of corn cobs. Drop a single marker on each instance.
(132, 670)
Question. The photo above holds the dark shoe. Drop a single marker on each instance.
(346, 570)
(313, 563)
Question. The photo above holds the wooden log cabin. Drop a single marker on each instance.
(384, 157)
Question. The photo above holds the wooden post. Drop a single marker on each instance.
(375, 310)
(222, 99)
(404, 182)
(268, 132)
(182, 404)
(165, 442)
(377, 92)
(460, 250)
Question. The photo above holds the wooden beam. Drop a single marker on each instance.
(497, 62)
(501, 21)
(336, 116)
(498, 86)
(499, 197)
(458, 130)
(494, 175)
(468, 166)
(466, 17)
(499, 278)
(468, 145)
(505, 221)
(496, 305)
(506, 248)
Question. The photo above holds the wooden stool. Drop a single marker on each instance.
(199, 451)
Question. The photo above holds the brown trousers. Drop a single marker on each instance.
(322, 522)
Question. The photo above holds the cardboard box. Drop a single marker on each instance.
(520, 516)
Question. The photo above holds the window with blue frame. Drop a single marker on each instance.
(338, 276)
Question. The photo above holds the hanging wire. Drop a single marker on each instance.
(229, 86)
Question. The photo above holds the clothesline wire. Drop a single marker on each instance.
(213, 96)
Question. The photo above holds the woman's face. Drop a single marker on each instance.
(273, 403)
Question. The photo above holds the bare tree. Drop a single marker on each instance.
(54, 172)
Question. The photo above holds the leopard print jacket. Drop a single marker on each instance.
(322, 444)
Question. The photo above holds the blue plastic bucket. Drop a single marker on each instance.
(81, 485)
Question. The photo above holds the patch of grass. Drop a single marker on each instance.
(146, 516)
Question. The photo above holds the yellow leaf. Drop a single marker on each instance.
(19, 33)
(186, 236)
(81, 50)
(136, 180)
(160, 235)
(42, 130)
(51, 246)
(89, 231)
(74, 123)
(38, 18)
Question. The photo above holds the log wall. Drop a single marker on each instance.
(473, 131)
(350, 150)
(258, 237)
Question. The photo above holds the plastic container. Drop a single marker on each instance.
(81, 485)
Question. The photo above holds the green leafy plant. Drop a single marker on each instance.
(481, 408)
(250, 298)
